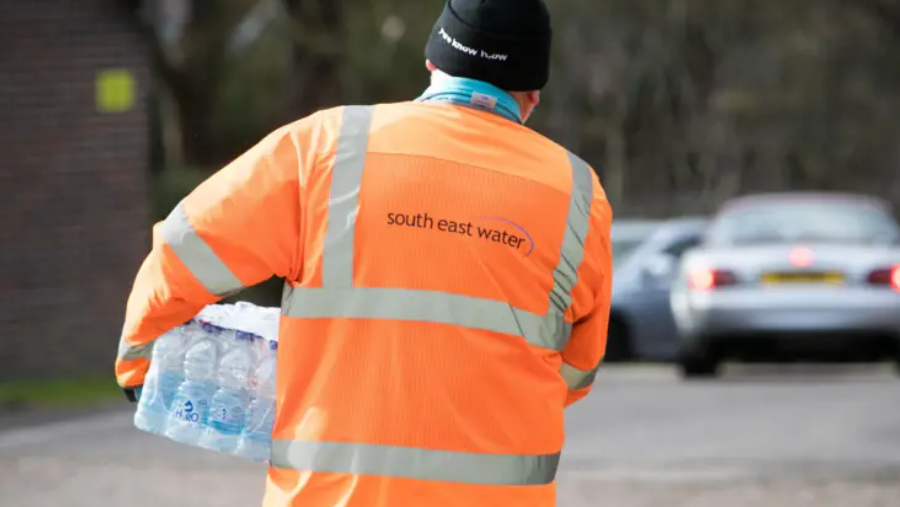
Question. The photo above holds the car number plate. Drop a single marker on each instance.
(828, 278)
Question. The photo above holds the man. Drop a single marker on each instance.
(447, 274)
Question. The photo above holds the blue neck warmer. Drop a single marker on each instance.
(472, 93)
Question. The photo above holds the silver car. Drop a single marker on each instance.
(802, 276)
(646, 254)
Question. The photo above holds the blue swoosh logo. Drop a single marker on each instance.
(517, 226)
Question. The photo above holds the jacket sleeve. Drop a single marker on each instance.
(236, 229)
(591, 303)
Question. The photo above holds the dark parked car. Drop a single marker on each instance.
(646, 255)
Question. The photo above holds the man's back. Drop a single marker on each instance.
(448, 245)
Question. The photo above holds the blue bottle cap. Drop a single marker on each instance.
(212, 328)
(244, 336)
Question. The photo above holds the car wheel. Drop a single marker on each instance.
(698, 364)
(618, 342)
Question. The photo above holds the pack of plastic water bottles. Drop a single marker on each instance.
(211, 382)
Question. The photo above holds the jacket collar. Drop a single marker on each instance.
(471, 93)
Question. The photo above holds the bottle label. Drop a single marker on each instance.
(185, 409)
(233, 414)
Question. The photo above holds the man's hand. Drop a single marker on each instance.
(133, 393)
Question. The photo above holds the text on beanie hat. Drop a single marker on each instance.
(503, 42)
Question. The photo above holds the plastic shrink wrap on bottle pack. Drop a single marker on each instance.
(211, 382)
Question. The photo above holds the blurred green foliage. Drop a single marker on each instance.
(679, 104)
(58, 393)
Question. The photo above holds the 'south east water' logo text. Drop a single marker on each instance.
(494, 229)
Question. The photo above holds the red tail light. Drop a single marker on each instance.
(886, 276)
(705, 279)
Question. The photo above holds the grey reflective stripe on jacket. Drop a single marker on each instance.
(415, 463)
(199, 259)
(577, 379)
(197, 256)
(338, 298)
(131, 352)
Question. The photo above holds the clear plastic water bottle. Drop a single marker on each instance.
(228, 408)
(172, 373)
(165, 376)
(256, 439)
(190, 406)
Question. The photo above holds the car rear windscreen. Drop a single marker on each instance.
(838, 221)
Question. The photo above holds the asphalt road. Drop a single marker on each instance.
(821, 436)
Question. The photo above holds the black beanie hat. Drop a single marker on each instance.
(503, 42)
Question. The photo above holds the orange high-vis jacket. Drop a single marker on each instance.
(448, 277)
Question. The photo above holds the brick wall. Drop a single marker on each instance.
(73, 186)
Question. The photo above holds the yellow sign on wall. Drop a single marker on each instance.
(115, 90)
